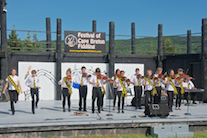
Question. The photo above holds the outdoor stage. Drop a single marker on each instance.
(49, 120)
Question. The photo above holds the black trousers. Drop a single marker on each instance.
(119, 100)
(96, 93)
(13, 98)
(33, 93)
(82, 96)
(102, 99)
(138, 94)
(178, 97)
(66, 94)
(115, 95)
(158, 95)
(170, 99)
(148, 98)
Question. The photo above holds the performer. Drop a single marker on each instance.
(120, 83)
(66, 84)
(188, 84)
(170, 87)
(137, 81)
(33, 83)
(116, 74)
(179, 86)
(158, 82)
(148, 82)
(97, 83)
(83, 80)
(14, 88)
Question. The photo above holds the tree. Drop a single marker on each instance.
(168, 48)
(14, 41)
(28, 42)
(35, 40)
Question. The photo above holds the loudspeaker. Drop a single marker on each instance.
(134, 101)
(160, 110)
(164, 100)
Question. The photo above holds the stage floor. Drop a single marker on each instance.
(50, 113)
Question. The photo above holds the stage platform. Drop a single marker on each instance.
(50, 120)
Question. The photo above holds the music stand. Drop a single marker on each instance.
(188, 97)
(109, 114)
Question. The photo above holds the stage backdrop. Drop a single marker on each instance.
(46, 73)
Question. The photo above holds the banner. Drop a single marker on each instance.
(84, 42)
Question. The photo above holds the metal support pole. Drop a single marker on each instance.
(204, 56)
(160, 46)
(4, 60)
(111, 56)
(58, 60)
(189, 42)
(94, 26)
(133, 38)
(48, 34)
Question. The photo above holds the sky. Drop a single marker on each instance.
(177, 16)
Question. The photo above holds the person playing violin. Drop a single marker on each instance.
(137, 81)
(148, 81)
(179, 86)
(158, 82)
(170, 87)
(82, 80)
(116, 74)
(66, 84)
(97, 83)
(188, 84)
(120, 83)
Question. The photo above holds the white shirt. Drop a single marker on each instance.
(114, 82)
(85, 79)
(188, 85)
(15, 79)
(169, 87)
(176, 84)
(119, 84)
(148, 88)
(64, 85)
(94, 80)
(30, 82)
(160, 81)
(134, 79)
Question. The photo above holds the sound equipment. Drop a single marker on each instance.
(160, 110)
(164, 100)
(134, 101)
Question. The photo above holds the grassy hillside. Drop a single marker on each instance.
(143, 46)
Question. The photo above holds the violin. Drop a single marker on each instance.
(151, 77)
(79, 113)
(85, 75)
(100, 76)
(69, 78)
(173, 76)
(140, 76)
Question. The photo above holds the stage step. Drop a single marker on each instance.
(167, 131)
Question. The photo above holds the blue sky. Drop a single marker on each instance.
(177, 16)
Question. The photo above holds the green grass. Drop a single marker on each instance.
(200, 134)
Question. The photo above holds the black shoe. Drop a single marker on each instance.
(102, 109)
(85, 110)
(140, 107)
(80, 109)
(118, 111)
(99, 111)
(194, 103)
(122, 111)
(93, 112)
(33, 112)
(64, 110)
(13, 112)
